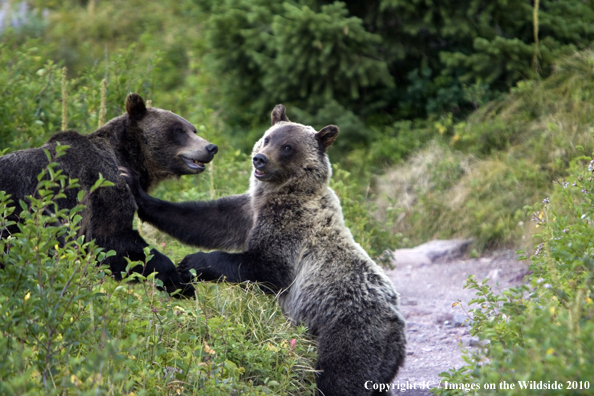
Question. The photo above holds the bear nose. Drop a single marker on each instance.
(212, 149)
(260, 161)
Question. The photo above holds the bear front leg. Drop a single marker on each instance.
(131, 245)
(224, 223)
(167, 273)
(211, 267)
(111, 211)
(236, 268)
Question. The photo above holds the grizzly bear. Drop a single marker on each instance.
(155, 143)
(288, 233)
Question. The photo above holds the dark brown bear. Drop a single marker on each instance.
(156, 144)
(288, 233)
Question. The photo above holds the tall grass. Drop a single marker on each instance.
(478, 179)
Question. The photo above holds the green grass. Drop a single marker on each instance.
(478, 177)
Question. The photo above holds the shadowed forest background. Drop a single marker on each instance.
(465, 119)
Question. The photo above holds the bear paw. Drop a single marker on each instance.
(197, 262)
(131, 179)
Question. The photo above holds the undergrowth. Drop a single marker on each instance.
(476, 177)
(542, 331)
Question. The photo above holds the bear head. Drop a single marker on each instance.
(292, 155)
(171, 144)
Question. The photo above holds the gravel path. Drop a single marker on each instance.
(430, 278)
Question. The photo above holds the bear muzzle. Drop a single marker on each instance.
(260, 161)
(195, 160)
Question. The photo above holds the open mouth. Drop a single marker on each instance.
(193, 163)
(259, 174)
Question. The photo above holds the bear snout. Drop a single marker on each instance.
(195, 160)
(212, 149)
(260, 161)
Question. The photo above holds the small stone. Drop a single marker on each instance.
(493, 274)
(442, 318)
(409, 302)
(443, 250)
(461, 320)
(469, 341)
(406, 257)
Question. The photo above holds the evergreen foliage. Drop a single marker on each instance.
(385, 60)
(362, 65)
(320, 63)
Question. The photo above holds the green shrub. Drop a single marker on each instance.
(31, 86)
(544, 331)
(48, 294)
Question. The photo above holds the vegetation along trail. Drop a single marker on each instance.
(430, 279)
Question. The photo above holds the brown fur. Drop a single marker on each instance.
(291, 235)
(149, 141)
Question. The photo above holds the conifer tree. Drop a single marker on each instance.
(379, 60)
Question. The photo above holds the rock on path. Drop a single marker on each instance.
(430, 278)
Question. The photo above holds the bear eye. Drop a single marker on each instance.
(287, 148)
(179, 130)
(266, 140)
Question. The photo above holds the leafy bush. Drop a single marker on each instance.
(391, 145)
(50, 287)
(544, 331)
(31, 86)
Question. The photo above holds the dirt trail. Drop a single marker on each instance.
(430, 278)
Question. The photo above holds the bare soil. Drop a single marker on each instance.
(430, 279)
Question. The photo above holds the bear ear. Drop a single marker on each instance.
(327, 135)
(279, 114)
(135, 106)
